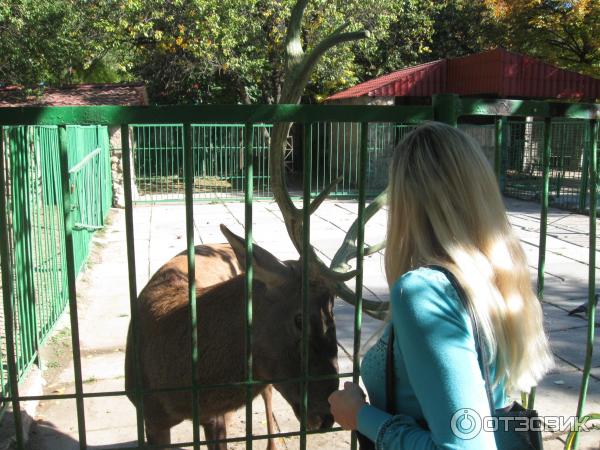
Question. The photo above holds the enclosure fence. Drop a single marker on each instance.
(35, 283)
(63, 214)
(219, 166)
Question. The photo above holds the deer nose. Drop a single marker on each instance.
(326, 422)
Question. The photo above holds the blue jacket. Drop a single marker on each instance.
(436, 369)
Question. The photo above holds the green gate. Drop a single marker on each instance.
(35, 284)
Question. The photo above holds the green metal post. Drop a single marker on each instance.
(543, 224)
(593, 170)
(583, 186)
(360, 246)
(544, 205)
(7, 298)
(134, 327)
(188, 168)
(446, 108)
(71, 279)
(500, 148)
(249, 188)
(307, 176)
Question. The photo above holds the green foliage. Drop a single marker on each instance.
(232, 51)
(57, 42)
(563, 32)
(405, 30)
(208, 50)
(463, 27)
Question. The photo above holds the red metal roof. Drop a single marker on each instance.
(495, 72)
(78, 95)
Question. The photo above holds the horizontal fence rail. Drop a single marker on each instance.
(190, 142)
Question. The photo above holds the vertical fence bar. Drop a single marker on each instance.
(248, 199)
(71, 279)
(360, 241)
(22, 256)
(134, 327)
(593, 171)
(7, 298)
(583, 185)
(543, 225)
(188, 169)
(544, 205)
(500, 145)
(307, 172)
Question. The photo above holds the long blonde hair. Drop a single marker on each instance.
(445, 208)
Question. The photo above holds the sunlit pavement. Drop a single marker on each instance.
(104, 307)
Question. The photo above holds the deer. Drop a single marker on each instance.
(217, 263)
(165, 346)
(164, 340)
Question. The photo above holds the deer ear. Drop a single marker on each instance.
(267, 268)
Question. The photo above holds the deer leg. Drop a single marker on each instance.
(267, 395)
(158, 434)
(216, 428)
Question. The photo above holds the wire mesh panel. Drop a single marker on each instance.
(218, 161)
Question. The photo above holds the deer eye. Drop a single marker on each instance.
(298, 321)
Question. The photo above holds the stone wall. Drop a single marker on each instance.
(116, 165)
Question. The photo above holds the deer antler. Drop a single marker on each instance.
(349, 250)
(299, 67)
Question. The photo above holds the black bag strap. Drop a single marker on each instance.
(482, 355)
(390, 385)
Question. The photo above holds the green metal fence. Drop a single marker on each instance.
(335, 150)
(218, 149)
(445, 108)
(523, 162)
(34, 235)
(158, 157)
(219, 163)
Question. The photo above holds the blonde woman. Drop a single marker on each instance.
(445, 209)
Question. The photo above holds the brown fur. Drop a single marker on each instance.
(165, 337)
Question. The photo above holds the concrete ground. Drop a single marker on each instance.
(103, 307)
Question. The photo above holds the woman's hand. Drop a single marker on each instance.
(346, 404)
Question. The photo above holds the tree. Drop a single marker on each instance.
(563, 32)
(233, 50)
(463, 27)
(403, 39)
(57, 42)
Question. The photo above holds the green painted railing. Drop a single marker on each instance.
(34, 233)
(446, 108)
